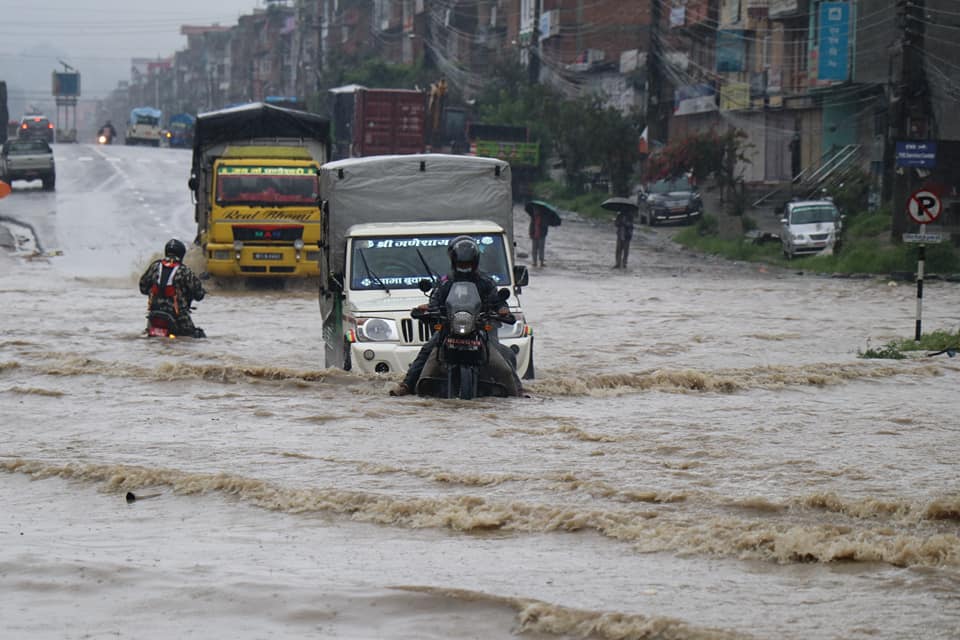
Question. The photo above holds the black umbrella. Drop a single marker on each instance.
(620, 204)
(550, 213)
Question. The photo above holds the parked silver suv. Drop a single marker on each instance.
(810, 226)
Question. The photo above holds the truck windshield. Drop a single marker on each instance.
(150, 121)
(394, 260)
(278, 186)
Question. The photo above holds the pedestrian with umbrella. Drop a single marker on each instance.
(626, 210)
(542, 216)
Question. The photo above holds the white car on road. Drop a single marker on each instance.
(810, 226)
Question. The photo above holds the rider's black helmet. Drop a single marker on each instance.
(174, 249)
(464, 254)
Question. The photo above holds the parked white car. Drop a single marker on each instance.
(810, 226)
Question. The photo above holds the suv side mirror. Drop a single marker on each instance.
(521, 276)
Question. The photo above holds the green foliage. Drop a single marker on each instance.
(889, 351)
(707, 225)
(566, 197)
(702, 237)
(896, 349)
(376, 72)
(852, 194)
(865, 225)
(934, 341)
(866, 249)
(582, 132)
(703, 154)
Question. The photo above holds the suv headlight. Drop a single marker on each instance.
(377, 330)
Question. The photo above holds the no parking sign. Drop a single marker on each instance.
(924, 206)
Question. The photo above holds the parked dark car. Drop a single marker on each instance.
(666, 200)
(35, 127)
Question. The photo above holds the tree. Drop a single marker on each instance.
(617, 146)
(704, 155)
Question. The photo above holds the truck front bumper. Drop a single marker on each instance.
(223, 260)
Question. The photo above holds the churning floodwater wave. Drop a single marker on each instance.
(899, 533)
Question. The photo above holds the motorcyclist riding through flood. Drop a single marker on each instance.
(468, 308)
(172, 288)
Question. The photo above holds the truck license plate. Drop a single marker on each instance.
(268, 256)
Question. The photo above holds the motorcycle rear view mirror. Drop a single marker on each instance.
(426, 285)
(503, 294)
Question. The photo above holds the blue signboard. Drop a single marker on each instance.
(916, 154)
(731, 50)
(834, 41)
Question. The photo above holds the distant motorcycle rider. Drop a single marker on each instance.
(108, 131)
(464, 266)
(172, 287)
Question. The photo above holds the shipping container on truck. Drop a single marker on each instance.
(374, 122)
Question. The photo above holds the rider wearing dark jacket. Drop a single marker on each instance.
(172, 287)
(464, 266)
(107, 130)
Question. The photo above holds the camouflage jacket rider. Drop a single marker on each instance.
(172, 287)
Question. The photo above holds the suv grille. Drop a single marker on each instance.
(424, 331)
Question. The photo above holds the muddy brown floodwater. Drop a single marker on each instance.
(703, 455)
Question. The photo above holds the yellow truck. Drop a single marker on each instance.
(255, 188)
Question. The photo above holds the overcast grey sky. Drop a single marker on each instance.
(97, 37)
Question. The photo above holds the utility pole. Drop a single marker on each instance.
(655, 129)
(533, 54)
(911, 110)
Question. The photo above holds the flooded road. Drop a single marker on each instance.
(703, 455)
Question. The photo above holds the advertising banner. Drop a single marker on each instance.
(694, 98)
(833, 41)
(734, 96)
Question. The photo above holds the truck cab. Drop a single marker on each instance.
(385, 264)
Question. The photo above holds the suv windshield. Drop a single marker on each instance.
(394, 261)
(813, 213)
(666, 186)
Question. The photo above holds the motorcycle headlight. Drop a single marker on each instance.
(376, 330)
(462, 323)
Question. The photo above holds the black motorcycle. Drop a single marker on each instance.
(465, 364)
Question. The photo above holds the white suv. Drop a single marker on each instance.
(810, 226)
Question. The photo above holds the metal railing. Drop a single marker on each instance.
(834, 166)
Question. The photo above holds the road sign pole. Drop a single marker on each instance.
(921, 258)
